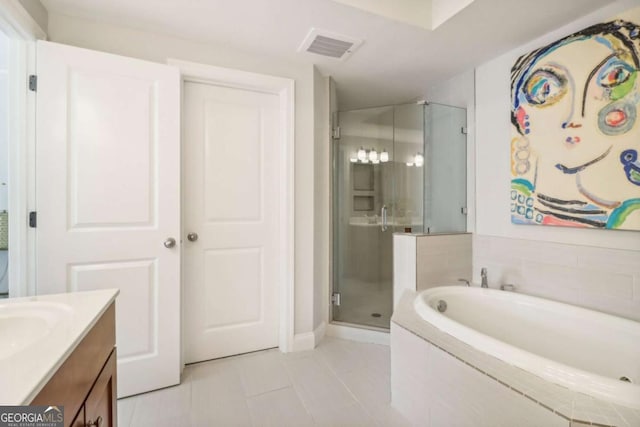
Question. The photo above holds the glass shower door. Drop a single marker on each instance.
(363, 193)
(377, 190)
(445, 183)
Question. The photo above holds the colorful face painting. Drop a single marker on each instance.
(575, 129)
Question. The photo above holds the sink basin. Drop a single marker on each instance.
(24, 324)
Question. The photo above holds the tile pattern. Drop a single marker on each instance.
(566, 404)
(404, 265)
(442, 259)
(602, 279)
(340, 383)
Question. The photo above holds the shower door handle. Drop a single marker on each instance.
(383, 215)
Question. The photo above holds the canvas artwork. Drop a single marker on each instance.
(575, 129)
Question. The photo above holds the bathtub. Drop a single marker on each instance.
(580, 349)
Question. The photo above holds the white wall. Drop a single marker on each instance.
(37, 12)
(158, 48)
(4, 148)
(322, 206)
(587, 267)
(492, 139)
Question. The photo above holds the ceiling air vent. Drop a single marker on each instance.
(325, 43)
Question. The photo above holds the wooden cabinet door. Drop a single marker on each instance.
(100, 408)
(79, 420)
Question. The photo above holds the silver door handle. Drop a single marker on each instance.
(169, 243)
(192, 237)
(383, 214)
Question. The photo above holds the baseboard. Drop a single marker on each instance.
(303, 342)
(319, 332)
(358, 334)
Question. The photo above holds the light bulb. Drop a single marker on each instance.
(362, 155)
(373, 155)
(384, 156)
(419, 160)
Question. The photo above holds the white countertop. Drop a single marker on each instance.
(60, 322)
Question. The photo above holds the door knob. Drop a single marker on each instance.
(97, 422)
(192, 237)
(169, 243)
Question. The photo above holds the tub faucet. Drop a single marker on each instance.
(483, 275)
(466, 282)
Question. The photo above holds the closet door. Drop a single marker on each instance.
(108, 198)
(232, 195)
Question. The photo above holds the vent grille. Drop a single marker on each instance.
(328, 44)
(329, 47)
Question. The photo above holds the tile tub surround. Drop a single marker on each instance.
(422, 261)
(443, 259)
(434, 375)
(602, 279)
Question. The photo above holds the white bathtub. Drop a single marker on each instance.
(583, 350)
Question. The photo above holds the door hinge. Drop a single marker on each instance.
(33, 219)
(463, 130)
(336, 133)
(335, 298)
(463, 210)
(33, 83)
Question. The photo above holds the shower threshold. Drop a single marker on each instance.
(360, 333)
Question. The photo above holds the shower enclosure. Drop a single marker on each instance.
(396, 169)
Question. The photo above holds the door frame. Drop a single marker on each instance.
(284, 89)
(23, 31)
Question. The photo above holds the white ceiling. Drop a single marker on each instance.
(396, 63)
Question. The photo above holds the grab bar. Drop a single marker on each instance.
(383, 214)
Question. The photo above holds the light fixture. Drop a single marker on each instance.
(419, 160)
(373, 155)
(409, 164)
(369, 156)
(362, 155)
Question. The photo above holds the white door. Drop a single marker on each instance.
(231, 193)
(108, 197)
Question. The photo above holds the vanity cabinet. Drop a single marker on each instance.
(85, 383)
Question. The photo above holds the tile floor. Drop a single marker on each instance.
(340, 383)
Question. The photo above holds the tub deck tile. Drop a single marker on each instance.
(630, 416)
(565, 403)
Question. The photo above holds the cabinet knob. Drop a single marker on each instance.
(96, 423)
(192, 237)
